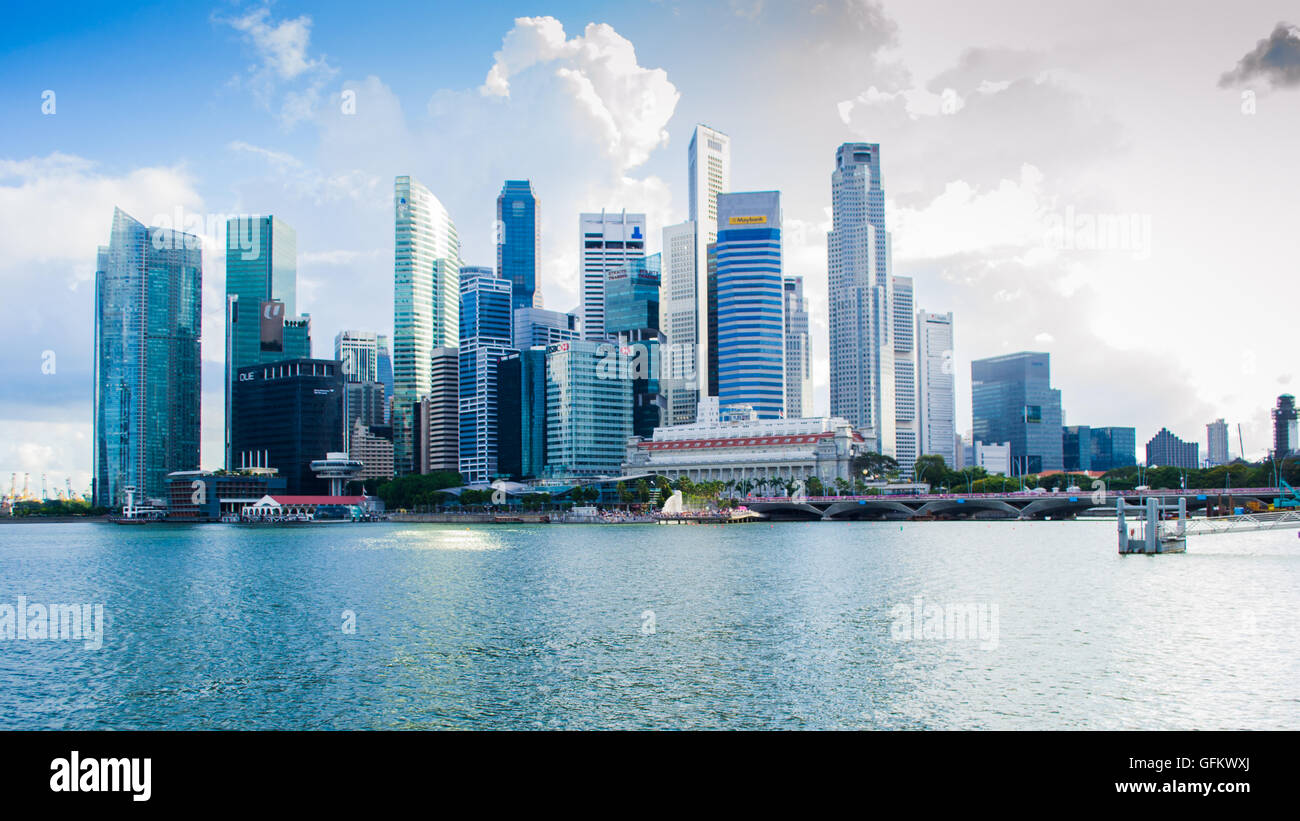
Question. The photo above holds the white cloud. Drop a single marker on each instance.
(281, 47)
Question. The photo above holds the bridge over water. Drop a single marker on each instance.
(1015, 505)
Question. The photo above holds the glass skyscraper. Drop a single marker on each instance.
(518, 239)
(261, 302)
(485, 329)
(608, 241)
(521, 406)
(588, 410)
(148, 309)
(632, 297)
(860, 298)
(751, 303)
(426, 304)
(1013, 401)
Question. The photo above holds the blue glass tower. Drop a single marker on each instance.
(751, 303)
(1013, 401)
(518, 237)
(632, 295)
(148, 291)
(485, 327)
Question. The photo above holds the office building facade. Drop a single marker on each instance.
(936, 394)
(632, 311)
(486, 314)
(148, 312)
(907, 423)
(518, 240)
(750, 303)
(1286, 435)
(708, 174)
(538, 326)
(798, 350)
(521, 403)
(859, 298)
(437, 416)
(607, 241)
(426, 303)
(682, 306)
(288, 414)
(588, 410)
(1012, 401)
(262, 324)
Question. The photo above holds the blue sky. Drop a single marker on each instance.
(997, 121)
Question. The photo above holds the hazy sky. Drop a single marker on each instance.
(1018, 139)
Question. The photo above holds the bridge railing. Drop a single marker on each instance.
(1024, 494)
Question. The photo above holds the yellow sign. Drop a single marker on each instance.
(748, 220)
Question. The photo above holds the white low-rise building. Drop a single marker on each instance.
(714, 449)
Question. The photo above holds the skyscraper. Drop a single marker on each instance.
(261, 301)
(907, 424)
(681, 308)
(1216, 451)
(426, 303)
(632, 300)
(708, 161)
(518, 239)
(608, 241)
(484, 338)
(148, 309)
(936, 391)
(1013, 401)
(364, 396)
(588, 410)
(859, 294)
(287, 414)
(358, 355)
(751, 303)
(437, 416)
(1286, 438)
(1113, 447)
(798, 351)
(521, 404)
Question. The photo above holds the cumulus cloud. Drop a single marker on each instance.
(1274, 60)
(284, 66)
(628, 104)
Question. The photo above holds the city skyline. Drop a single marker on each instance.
(264, 168)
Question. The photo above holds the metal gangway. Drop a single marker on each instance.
(1156, 530)
(1244, 523)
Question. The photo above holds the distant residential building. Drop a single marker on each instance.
(860, 298)
(936, 405)
(608, 241)
(485, 326)
(521, 408)
(1217, 443)
(907, 423)
(1286, 437)
(798, 350)
(518, 238)
(788, 449)
(538, 326)
(288, 414)
(1167, 450)
(750, 299)
(262, 324)
(437, 417)
(426, 303)
(588, 410)
(148, 310)
(681, 309)
(372, 446)
(1013, 401)
(994, 457)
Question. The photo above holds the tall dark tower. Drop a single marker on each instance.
(1284, 426)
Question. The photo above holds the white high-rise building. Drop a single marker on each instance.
(936, 390)
(798, 351)
(608, 240)
(1217, 446)
(679, 313)
(860, 299)
(426, 303)
(358, 351)
(708, 175)
(907, 427)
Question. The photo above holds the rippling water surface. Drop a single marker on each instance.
(753, 626)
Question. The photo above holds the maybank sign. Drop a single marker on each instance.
(755, 220)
